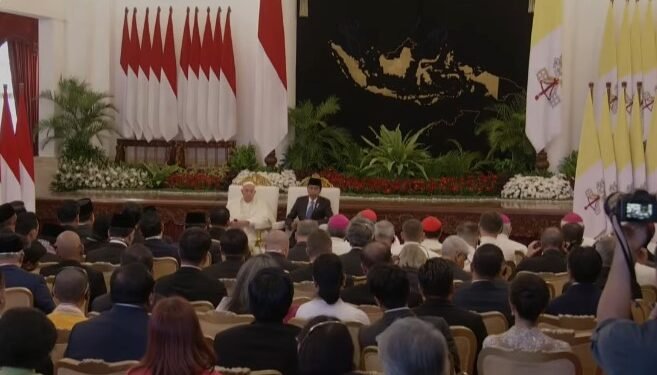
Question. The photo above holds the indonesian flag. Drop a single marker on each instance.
(213, 82)
(649, 62)
(191, 107)
(544, 120)
(126, 127)
(25, 156)
(204, 79)
(154, 82)
(142, 81)
(622, 148)
(588, 200)
(608, 71)
(636, 147)
(168, 109)
(9, 163)
(131, 79)
(271, 77)
(183, 76)
(606, 140)
(228, 86)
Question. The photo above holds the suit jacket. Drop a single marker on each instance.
(459, 273)
(216, 232)
(274, 343)
(227, 269)
(161, 248)
(578, 299)
(483, 296)
(304, 273)
(550, 261)
(92, 243)
(361, 295)
(110, 253)
(97, 285)
(282, 261)
(298, 253)
(321, 214)
(351, 262)
(120, 334)
(17, 277)
(84, 231)
(191, 284)
(367, 334)
(102, 303)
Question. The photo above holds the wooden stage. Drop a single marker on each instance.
(527, 217)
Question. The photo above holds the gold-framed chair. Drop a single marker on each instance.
(370, 359)
(202, 306)
(640, 310)
(493, 361)
(68, 366)
(373, 312)
(207, 261)
(213, 322)
(574, 322)
(18, 297)
(649, 293)
(50, 282)
(229, 284)
(518, 256)
(359, 280)
(466, 344)
(580, 343)
(354, 328)
(495, 322)
(245, 371)
(104, 267)
(164, 266)
(297, 322)
(59, 349)
(298, 301)
(305, 289)
(267, 193)
(508, 268)
(42, 265)
(557, 280)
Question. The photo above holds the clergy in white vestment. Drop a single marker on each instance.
(250, 213)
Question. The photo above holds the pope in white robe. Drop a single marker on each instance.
(250, 213)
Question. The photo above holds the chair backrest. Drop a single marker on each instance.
(518, 256)
(495, 322)
(229, 284)
(202, 306)
(640, 310)
(233, 370)
(298, 301)
(466, 344)
(332, 194)
(580, 343)
(59, 349)
(207, 262)
(359, 280)
(298, 322)
(50, 282)
(373, 312)
(507, 270)
(266, 372)
(494, 361)
(574, 322)
(213, 322)
(370, 359)
(104, 267)
(18, 297)
(67, 366)
(305, 289)
(649, 293)
(164, 266)
(354, 328)
(268, 194)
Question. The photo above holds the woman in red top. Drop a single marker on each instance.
(175, 342)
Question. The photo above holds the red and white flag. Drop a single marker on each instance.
(228, 86)
(204, 80)
(25, 155)
(126, 128)
(183, 76)
(132, 57)
(213, 83)
(168, 110)
(142, 129)
(271, 77)
(191, 110)
(154, 82)
(9, 164)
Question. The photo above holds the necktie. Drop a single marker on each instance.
(309, 211)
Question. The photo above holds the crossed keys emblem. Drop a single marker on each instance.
(550, 83)
(594, 198)
(613, 99)
(648, 101)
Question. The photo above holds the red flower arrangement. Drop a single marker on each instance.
(475, 184)
(194, 180)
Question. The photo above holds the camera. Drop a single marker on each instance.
(639, 207)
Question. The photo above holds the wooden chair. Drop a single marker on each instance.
(552, 290)
(298, 322)
(164, 266)
(495, 322)
(106, 269)
(370, 359)
(574, 322)
(559, 280)
(373, 312)
(69, 366)
(359, 280)
(354, 328)
(494, 361)
(266, 372)
(640, 310)
(466, 344)
(213, 322)
(58, 351)
(507, 270)
(229, 284)
(298, 301)
(305, 289)
(202, 306)
(207, 262)
(518, 256)
(42, 265)
(457, 284)
(580, 343)
(18, 297)
(649, 293)
(50, 282)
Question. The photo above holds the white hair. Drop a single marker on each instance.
(384, 230)
(412, 256)
(453, 246)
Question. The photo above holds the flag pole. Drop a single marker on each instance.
(639, 86)
(591, 89)
(609, 99)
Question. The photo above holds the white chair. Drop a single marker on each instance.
(269, 195)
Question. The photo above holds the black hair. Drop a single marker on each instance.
(194, 245)
(530, 295)
(137, 253)
(329, 276)
(389, 284)
(120, 232)
(325, 347)
(573, 235)
(436, 278)
(68, 211)
(101, 227)
(219, 216)
(131, 284)
(31, 255)
(584, 264)
(487, 261)
(27, 338)
(270, 294)
(150, 224)
(491, 222)
(134, 210)
(234, 242)
(26, 222)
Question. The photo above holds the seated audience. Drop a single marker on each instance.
(318, 243)
(298, 253)
(582, 296)
(529, 297)
(573, 236)
(337, 228)
(19, 207)
(486, 292)
(384, 231)
(605, 247)
(270, 297)
(437, 284)
(68, 214)
(27, 225)
(359, 233)
(503, 238)
(31, 256)
(238, 302)
(121, 235)
(175, 342)
(219, 220)
(469, 232)
(368, 214)
(644, 269)
(250, 212)
(151, 228)
(86, 218)
(71, 252)
(325, 348)
(412, 233)
(455, 251)
(277, 245)
(411, 346)
(11, 257)
(7, 217)
(234, 248)
(411, 258)
(27, 338)
(433, 229)
(121, 333)
(100, 233)
(329, 278)
(573, 218)
(490, 227)
(311, 206)
(71, 290)
(548, 256)
(188, 281)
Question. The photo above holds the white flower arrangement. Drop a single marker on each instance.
(283, 180)
(74, 175)
(538, 187)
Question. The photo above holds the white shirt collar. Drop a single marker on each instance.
(69, 309)
(118, 241)
(397, 309)
(158, 237)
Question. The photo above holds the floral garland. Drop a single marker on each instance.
(537, 187)
(74, 175)
(283, 180)
(196, 180)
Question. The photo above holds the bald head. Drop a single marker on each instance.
(69, 246)
(375, 253)
(71, 285)
(277, 241)
(552, 239)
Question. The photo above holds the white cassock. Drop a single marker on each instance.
(255, 212)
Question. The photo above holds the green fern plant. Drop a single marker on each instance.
(158, 174)
(81, 115)
(568, 166)
(243, 157)
(393, 155)
(454, 163)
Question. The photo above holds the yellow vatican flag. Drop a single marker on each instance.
(622, 148)
(608, 71)
(606, 140)
(636, 147)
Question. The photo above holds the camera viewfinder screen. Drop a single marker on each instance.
(638, 211)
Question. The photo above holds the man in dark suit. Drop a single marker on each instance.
(7, 217)
(189, 282)
(150, 226)
(486, 292)
(372, 254)
(277, 245)
(582, 296)
(68, 214)
(11, 251)
(70, 250)
(85, 219)
(391, 287)
(299, 253)
(311, 206)
(121, 235)
(198, 219)
(219, 219)
(270, 297)
(318, 243)
(437, 284)
(234, 247)
(359, 233)
(27, 225)
(120, 334)
(546, 256)
(99, 235)
(455, 251)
